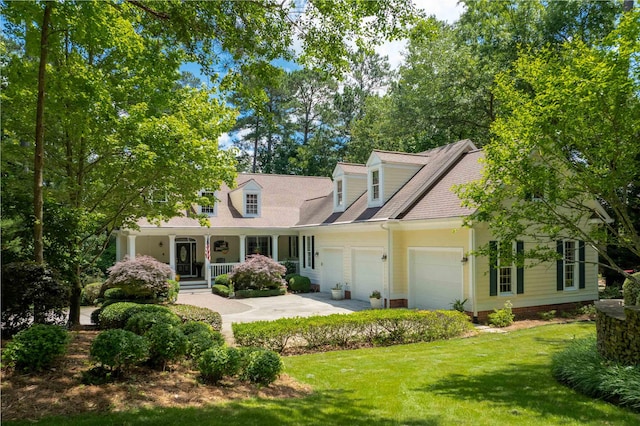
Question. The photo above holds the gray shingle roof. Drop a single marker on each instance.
(427, 195)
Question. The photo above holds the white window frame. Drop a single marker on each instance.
(308, 252)
(570, 265)
(509, 271)
(257, 203)
(209, 209)
(375, 201)
(338, 202)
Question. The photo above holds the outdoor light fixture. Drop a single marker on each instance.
(317, 254)
(464, 259)
(160, 244)
(384, 257)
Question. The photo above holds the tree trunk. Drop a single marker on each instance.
(38, 166)
(74, 305)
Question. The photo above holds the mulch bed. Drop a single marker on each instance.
(59, 391)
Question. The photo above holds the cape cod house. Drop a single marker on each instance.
(392, 225)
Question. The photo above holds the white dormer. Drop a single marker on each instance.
(210, 208)
(349, 183)
(247, 199)
(387, 172)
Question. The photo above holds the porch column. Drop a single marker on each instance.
(242, 247)
(274, 247)
(172, 253)
(131, 246)
(118, 248)
(207, 259)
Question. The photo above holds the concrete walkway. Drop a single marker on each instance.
(260, 308)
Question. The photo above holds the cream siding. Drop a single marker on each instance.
(354, 187)
(237, 200)
(539, 282)
(395, 177)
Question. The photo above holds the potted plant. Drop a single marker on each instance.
(375, 299)
(336, 292)
(198, 265)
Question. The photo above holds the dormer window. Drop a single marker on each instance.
(375, 185)
(339, 193)
(251, 204)
(209, 208)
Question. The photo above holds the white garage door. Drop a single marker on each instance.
(368, 272)
(332, 269)
(435, 277)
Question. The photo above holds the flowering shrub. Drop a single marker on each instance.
(258, 273)
(142, 277)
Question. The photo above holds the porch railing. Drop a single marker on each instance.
(225, 268)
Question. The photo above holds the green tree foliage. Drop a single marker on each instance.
(568, 136)
(119, 126)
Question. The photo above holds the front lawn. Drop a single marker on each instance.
(484, 380)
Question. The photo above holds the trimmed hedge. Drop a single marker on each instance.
(222, 279)
(117, 314)
(220, 290)
(36, 348)
(338, 331)
(245, 294)
(119, 349)
(90, 293)
(197, 313)
(299, 284)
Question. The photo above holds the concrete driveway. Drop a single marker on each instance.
(260, 308)
(269, 308)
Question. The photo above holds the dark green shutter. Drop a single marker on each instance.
(581, 265)
(560, 266)
(313, 252)
(520, 270)
(493, 268)
(304, 252)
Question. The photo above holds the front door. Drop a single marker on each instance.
(185, 256)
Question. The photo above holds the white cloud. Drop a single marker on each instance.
(444, 10)
(224, 141)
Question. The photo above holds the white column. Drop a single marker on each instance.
(172, 253)
(118, 248)
(242, 247)
(207, 261)
(274, 248)
(131, 246)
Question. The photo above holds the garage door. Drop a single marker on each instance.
(368, 272)
(332, 269)
(435, 277)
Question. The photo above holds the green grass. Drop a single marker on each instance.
(485, 380)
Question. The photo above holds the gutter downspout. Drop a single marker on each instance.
(389, 258)
(472, 271)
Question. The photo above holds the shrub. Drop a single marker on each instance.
(581, 367)
(167, 343)
(547, 316)
(197, 313)
(291, 268)
(117, 314)
(502, 317)
(458, 305)
(115, 293)
(36, 347)
(289, 276)
(263, 367)
(119, 349)
(142, 277)
(245, 294)
(141, 322)
(90, 293)
(610, 292)
(173, 289)
(220, 290)
(258, 273)
(631, 290)
(218, 362)
(299, 284)
(31, 293)
(200, 337)
(222, 279)
(371, 327)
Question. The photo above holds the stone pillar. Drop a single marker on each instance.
(243, 249)
(274, 247)
(172, 253)
(131, 246)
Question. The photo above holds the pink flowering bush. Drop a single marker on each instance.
(142, 277)
(258, 273)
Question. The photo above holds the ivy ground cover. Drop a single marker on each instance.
(483, 380)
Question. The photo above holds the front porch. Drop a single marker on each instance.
(199, 259)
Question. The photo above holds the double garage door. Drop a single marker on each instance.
(367, 270)
(435, 277)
